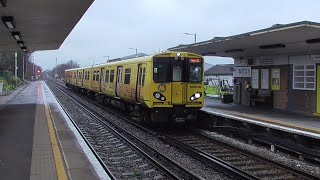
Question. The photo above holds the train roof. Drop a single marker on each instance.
(139, 59)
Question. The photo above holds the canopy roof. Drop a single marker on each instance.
(42, 24)
(294, 38)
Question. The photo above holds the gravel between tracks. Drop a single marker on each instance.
(181, 158)
(278, 157)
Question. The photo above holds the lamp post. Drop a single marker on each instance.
(195, 36)
(106, 57)
(135, 49)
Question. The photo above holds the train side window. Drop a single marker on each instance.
(143, 76)
(107, 76)
(98, 76)
(94, 76)
(140, 75)
(127, 76)
(112, 76)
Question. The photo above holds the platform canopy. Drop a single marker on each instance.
(40, 24)
(295, 38)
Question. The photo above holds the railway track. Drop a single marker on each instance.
(120, 155)
(231, 160)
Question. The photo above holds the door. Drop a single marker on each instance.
(119, 81)
(177, 96)
(139, 82)
(101, 79)
(82, 78)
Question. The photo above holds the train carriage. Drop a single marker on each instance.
(162, 87)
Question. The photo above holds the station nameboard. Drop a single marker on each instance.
(242, 72)
(315, 57)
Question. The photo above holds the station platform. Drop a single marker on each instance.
(38, 140)
(280, 120)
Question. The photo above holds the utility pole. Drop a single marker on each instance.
(56, 73)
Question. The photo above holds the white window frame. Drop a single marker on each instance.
(304, 70)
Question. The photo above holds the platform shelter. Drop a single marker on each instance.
(277, 66)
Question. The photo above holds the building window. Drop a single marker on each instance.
(112, 75)
(304, 77)
(127, 76)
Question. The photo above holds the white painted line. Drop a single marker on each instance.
(93, 160)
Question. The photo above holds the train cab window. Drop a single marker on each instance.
(127, 76)
(107, 76)
(112, 75)
(195, 72)
(161, 70)
(143, 76)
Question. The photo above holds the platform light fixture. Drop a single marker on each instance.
(234, 50)
(3, 3)
(272, 46)
(8, 21)
(313, 41)
(20, 43)
(24, 49)
(16, 35)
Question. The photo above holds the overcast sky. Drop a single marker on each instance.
(111, 27)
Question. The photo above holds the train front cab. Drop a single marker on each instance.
(177, 91)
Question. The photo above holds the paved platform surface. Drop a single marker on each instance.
(37, 141)
(285, 119)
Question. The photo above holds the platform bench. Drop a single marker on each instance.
(261, 96)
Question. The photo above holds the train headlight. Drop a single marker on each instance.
(196, 96)
(159, 96)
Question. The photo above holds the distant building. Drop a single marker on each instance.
(217, 73)
(207, 66)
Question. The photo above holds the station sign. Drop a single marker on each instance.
(315, 57)
(242, 72)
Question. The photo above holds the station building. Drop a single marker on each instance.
(283, 61)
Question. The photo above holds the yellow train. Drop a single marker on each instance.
(166, 87)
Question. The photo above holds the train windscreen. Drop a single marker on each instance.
(172, 70)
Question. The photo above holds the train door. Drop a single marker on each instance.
(119, 81)
(82, 78)
(140, 81)
(101, 79)
(177, 88)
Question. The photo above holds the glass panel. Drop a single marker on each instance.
(299, 67)
(107, 76)
(143, 76)
(112, 76)
(310, 79)
(310, 85)
(127, 76)
(299, 85)
(161, 70)
(177, 73)
(298, 73)
(298, 79)
(98, 76)
(310, 73)
(309, 66)
(195, 73)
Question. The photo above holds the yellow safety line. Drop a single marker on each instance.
(290, 125)
(60, 169)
